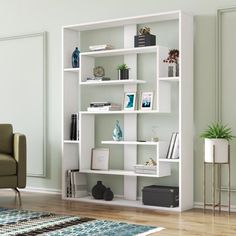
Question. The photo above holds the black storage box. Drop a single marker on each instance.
(164, 196)
(144, 40)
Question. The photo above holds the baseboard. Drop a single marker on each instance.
(41, 190)
(223, 208)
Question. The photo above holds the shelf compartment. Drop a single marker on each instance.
(71, 69)
(130, 143)
(121, 172)
(118, 201)
(112, 82)
(120, 52)
(71, 141)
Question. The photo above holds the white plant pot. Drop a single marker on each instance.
(221, 150)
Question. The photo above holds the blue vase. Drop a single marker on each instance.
(117, 133)
(75, 58)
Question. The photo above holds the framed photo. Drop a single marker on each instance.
(129, 101)
(146, 101)
(100, 159)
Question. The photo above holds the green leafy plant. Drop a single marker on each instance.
(218, 130)
(122, 67)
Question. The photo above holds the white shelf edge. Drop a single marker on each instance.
(122, 112)
(169, 160)
(119, 172)
(130, 143)
(112, 82)
(156, 17)
(71, 69)
(71, 141)
(122, 202)
(122, 51)
(169, 79)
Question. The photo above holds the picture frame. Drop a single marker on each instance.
(100, 159)
(146, 101)
(129, 101)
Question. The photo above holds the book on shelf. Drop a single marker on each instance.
(100, 47)
(103, 106)
(173, 148)
(76, 184)
(74, 129)
(175, 154)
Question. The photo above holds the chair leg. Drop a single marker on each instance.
(18, 194)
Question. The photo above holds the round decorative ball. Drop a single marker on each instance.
(108, 195)
(98, 190)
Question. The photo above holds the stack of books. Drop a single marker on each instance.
(76, 184)
(173, 149)
(103, 106)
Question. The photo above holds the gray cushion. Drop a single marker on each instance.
(7, 165)
(6, 139)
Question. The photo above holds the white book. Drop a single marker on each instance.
(175, 154)
(104, 108)
(171, 145)
(80, 185)
(100, 47)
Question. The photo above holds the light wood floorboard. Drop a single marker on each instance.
(192, 222)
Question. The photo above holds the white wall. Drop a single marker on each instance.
(26, 16)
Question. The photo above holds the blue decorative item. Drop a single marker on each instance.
(117, 133)
(75, 58)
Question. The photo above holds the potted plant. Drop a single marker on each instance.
(123, 71)
(173, 60)
(217, 135)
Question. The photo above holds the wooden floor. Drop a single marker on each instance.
(192, 222)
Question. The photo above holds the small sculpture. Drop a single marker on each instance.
(117, 133)
(150, 162)
(144, 31)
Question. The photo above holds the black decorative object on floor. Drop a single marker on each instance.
(108, 195)
(98, 190)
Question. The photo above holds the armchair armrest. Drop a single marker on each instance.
(19, 146)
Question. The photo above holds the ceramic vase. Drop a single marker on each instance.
(221, 150)
(117, 133)
(108, 195)
(123, 74)
(75, 58)
(98, 190)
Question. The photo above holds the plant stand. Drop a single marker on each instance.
(214, 165)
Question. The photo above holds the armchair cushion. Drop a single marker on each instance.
(6, 139)
(8, 165)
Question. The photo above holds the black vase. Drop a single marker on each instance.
(98, 190)
(108, 195)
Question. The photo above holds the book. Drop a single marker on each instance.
(99, 104)
(100, 47)
(74, 130)
(112, 107)
(175, 154)
(171, 145)
(80, 184)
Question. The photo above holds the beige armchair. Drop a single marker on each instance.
(12, 159)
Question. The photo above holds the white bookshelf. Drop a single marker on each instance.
(172, 106)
